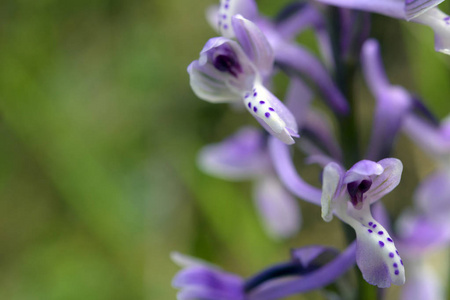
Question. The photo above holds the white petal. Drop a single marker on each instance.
(331, 178)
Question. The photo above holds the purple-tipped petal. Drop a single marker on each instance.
(362, 170)
(254, 43)
(433, 197)
(440, 23)
(241, 156)
(285, 168)
(312, 281)
(387, 181)
(280, 212)
(332, 175)
(272, 114)
(230, 8)
(374, 72)
(297, 60)
(414, 8)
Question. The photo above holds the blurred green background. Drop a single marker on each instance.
(99, 131)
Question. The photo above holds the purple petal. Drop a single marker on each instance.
(414, 8)
(288, 175)
(314, 280)
(362, 170)
(298, 61)
(272, 114)
(432, 139)
(439, 22)
(230, 8)
(241, 156)
(308, 16)
(254, 44)
(420, 235)
(387, 181)
(278, 209)
(374, 72)
(391, 8)
(206, 277)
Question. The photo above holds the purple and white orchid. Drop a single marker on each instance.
(349, 195)
(228, 71)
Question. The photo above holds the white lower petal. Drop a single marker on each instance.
(376, 254)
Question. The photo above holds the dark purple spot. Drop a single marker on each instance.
(226, 6)
(225, 26)
(396, 252)
(447, 18)
(380, 232)
(370, 223)
(267, 114)
(254, 94)
(271, 109)
(246, 95)
(374, 225)
(261, 102)
(395, 265)
(389, 239)
(401, 261)
(397, 272)
(249, 105)
(369, 230)
(381, 243)
(255, 109)
(224, 16)
(220, 22)
(391, 254)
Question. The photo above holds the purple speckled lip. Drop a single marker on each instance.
(267, 114)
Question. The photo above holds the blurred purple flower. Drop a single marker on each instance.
(230, 72)
(310, 268)
(200, 280)
(392, 102)
(243, 156)
(418, 11)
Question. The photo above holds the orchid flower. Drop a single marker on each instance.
(280, 35)
(310, 268)
(228, 71)
(418, 11)
(349, 195)
(244, 156)
(392, 102)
